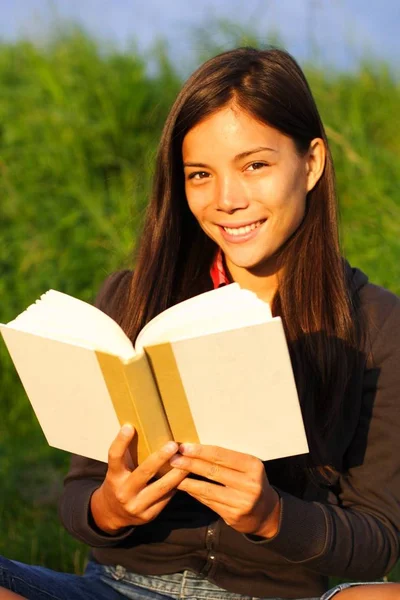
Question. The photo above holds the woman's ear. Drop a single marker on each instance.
(315, 164)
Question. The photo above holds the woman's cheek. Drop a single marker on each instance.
(198, 201)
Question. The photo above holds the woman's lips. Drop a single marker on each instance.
(241, 232)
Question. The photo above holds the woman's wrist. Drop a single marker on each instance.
(101, 515)
(270, 526)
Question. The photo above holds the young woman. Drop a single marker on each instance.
(244, 191)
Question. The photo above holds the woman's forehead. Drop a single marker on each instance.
(232, 129)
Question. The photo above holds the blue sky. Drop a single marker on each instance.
(341, 30)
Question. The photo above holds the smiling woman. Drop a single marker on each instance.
(244, 191)
(250, 194)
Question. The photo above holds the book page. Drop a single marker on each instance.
(67, 391)
(226, 308)
(59, 316)
(241, 391)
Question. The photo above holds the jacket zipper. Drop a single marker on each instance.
(210, 545)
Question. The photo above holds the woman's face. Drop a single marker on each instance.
(246, 185)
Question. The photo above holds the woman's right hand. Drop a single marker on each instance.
(126, 498)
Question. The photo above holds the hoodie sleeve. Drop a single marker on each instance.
(86, 475)
(358, 538)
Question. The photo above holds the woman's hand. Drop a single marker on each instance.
(241, 494)
(126, 498)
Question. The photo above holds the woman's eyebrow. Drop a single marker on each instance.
(236, 158)
(196, 164)
(254, 151)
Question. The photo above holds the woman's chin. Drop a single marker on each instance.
(257, 265)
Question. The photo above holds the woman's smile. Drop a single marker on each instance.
(241, 233)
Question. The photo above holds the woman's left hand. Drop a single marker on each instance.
(241, 494)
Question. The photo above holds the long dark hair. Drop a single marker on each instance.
(174, 255)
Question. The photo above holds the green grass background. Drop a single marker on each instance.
(79, 125)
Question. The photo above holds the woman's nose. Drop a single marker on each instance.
(230, 195)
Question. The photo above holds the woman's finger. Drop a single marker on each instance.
(118, 449)
(220, 456)
(160, 490)
(225, 512)
(149, 468)
(207, 492)
(248, 482)
(154, 510)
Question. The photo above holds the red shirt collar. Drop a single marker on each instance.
(218, 272)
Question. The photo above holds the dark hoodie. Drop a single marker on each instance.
(348, 529)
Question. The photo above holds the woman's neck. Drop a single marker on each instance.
(263, 282)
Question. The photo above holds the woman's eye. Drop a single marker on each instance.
(198, 175)
(256, 166)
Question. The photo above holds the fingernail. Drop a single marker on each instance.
(170, 447)
(127, 430)
(187, 448)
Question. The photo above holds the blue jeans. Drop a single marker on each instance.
(101, 582)
(342, 586)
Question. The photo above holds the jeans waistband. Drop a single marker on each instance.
(185, 584)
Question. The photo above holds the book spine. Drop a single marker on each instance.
(136, 401)
(166, 373)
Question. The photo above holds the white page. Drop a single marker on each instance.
(61, 317)
(226, 308)
(68, 393)
(241, 391)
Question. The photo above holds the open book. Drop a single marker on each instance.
(214, 369)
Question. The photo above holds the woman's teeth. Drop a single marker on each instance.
(243, 230)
